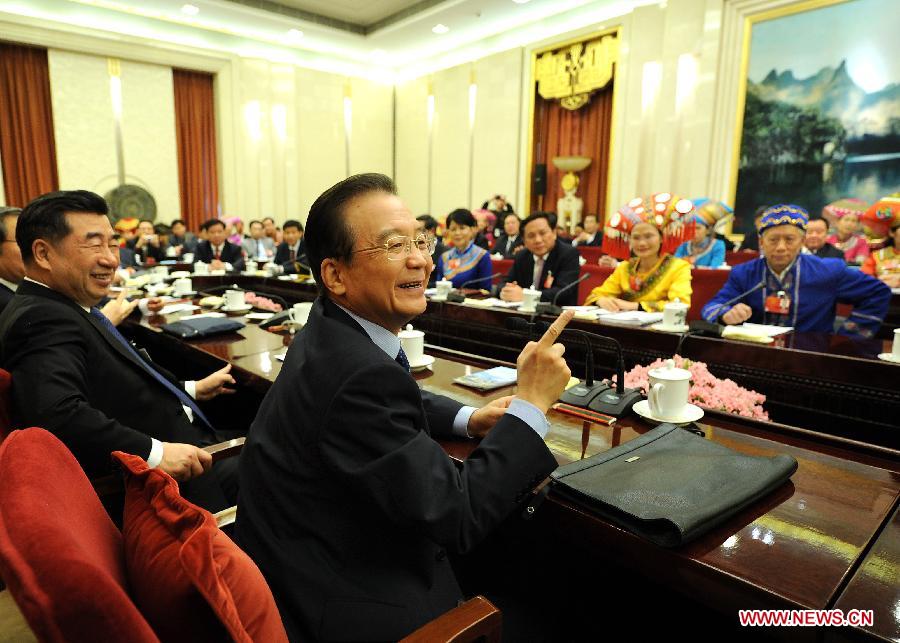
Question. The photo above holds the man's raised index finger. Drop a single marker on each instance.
(556, 328)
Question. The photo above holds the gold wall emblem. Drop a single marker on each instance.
(571, 74)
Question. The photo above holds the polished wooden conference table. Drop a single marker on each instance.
(816, 381)
(828, 538)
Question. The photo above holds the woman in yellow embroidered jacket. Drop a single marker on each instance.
(649, 228)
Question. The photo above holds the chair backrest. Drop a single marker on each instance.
(5, 403)
(60, 554)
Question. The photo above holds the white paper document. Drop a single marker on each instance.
(763, 329)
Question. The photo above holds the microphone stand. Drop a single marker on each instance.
(457, 297)
(545, 308)
(617, 401)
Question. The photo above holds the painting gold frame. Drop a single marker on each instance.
(529, 167)
(747, 32)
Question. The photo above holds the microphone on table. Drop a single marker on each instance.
(617, 401)
(551, 308)
(457, 297)
(580, 394)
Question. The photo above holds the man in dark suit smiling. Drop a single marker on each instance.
(350, 504)
(77, 376)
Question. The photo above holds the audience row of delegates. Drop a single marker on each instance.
(649, 277)
(159, 241)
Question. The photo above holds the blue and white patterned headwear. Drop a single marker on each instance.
(784, 214)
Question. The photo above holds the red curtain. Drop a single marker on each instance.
(583, 132)
(195, 126)
(27, 145)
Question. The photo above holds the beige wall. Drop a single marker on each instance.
(85, 132)
(289, 141)
(469, 162)
(412, 157)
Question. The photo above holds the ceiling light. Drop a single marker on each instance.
(440, 29)
(521, 1)
(294, 34)
(190, 9)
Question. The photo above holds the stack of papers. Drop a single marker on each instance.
(630, 317)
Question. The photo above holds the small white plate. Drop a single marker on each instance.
(422, 364)
(691, 413)
(682, 328)
(236, 309)
(889, 357)
(259, 316)
(190, 293)
(286, 278)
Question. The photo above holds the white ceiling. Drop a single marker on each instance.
(359, 12)
(387, 39)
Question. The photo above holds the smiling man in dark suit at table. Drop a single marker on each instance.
(74, 374)
(217, 250)
(546, 264)
(348, 503)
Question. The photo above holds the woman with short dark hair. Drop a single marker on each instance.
(464, 261)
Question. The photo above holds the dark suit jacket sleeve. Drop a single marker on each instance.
(395, 465)
(441, 411)
(48, 360)
(565, 271)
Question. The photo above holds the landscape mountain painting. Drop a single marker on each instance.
(822, 109)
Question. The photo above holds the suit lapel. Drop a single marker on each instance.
(31, 288)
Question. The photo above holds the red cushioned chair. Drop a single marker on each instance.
(65, 562)
(60, 554)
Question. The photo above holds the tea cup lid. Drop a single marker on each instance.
(670, 372)
(409, 332)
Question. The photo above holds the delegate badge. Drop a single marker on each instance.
(778, 304)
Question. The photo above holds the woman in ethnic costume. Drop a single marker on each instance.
(705, 250)
(464, 261)
(650, 228)
(883, 219)
(844, 214)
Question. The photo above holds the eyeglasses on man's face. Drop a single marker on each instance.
(400, 246)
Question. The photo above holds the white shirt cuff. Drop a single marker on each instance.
(144, 306)
(156, 454)
(530, 415)
(190, 387)
(461, 422)
(228, 266)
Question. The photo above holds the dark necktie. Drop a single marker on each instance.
(183, 397)
(401, 359)
(293, 255)
(218, 253)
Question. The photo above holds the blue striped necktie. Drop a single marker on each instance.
(183, 397)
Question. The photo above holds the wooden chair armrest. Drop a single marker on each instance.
(475, 619)
(226, 449)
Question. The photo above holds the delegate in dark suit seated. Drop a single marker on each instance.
(348, 504)
(217, 251)
(558, 263)
(290, 256)
(76, 376)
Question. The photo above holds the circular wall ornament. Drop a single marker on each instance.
(128, 201)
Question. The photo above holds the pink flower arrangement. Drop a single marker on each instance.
(707, 390)
(263, 303)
